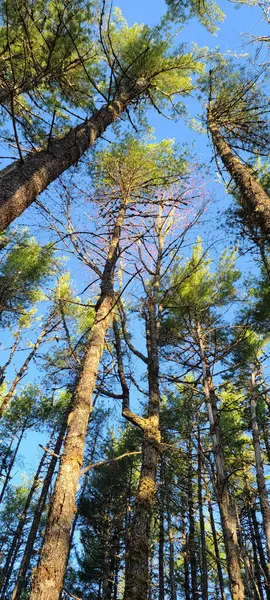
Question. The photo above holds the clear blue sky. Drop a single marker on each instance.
(231, 36)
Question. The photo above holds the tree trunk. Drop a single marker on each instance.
(10, 467)
(253, 197)
(262, 490)
(137, 579)
(16, 542)
(257, 571)
(161, 589)
(261, 552)
(228, 519)
(217, 554)
(171, 554)
(28, 551)
(186, 565)
(21, 183)
(49, 575)
(8, 397)
(191, 535)
(204, 569)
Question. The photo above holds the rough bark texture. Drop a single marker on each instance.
(218, 562)
(21, 183)
(227, 514)
(254, 199)
(49, 576)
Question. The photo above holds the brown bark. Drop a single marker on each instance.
(21, 183)
(28, 551)
(253, 197)
(261, 484)
(226, 508)
(49, 575)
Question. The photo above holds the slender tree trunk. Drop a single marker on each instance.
(263, 495)
(21, 183)
(5, 457)
(49, 575)
(261, 552)
(191, 535)
(161, 589)
(257, 571)
(16, 542)
(28, 551)
(204, 569)
(253, 197)
(217, 554)
(137, 579)
(171, 553)
(11, 464)
(228, 519)
(8, 397)
(186, 564)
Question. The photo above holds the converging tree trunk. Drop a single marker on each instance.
(254, 199)
(261, 483)
(49, 575)
(21, 182)
(228, 519)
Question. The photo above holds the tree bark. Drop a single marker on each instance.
(253, 197)
(21, 183)
(228, 519)
(49, 575)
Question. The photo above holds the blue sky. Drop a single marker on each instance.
(231, 37)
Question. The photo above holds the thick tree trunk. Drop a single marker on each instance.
(228, 519)
(28, 551)
(21, 183)
(262, 490)
(49, 575)
(253, 197)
